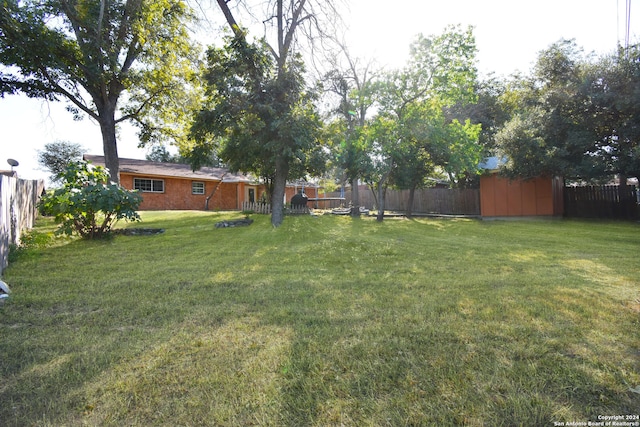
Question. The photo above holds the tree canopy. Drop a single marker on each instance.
(576, 117)
(258, 103)
(91, 52)
(258, 113)
(350, 90)
(411, 135)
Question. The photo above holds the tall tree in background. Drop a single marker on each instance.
(441, 73)
(91, 52)
(576, 116)
(449, 63)
(413, 159)
(288, 128)
(614, 84)
(552, 132)
(352, 87)
(56, 157)
(382, 139)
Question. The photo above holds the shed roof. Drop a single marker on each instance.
(172, 170)
(493, 163)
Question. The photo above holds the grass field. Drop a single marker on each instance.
(324, 321)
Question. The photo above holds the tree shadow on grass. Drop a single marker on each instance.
(269, 334)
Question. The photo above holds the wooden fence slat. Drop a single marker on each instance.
(601, 201)
(18, 211)
(259, 208)
(606, 201)
(443, 201)
(265, 208)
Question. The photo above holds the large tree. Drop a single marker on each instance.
(441, 74)
(554, 130)
(113, 60)
(350, 86)
(263, 120)
(577, 116)
(287, 127)
(614, 84)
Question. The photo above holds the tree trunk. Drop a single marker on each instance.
(381, 191)
(109, 144)
(374, 193)
(412, 192)
(355, 199)
(268, 186)
(215, 189)
(279, 186)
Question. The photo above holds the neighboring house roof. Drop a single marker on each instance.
(171, 170)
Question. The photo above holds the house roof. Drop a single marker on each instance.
(171, 170)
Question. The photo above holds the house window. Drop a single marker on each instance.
(197, 187)
(148, 185)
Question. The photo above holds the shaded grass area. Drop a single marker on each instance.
(325, 321)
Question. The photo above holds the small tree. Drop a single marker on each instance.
(88, 203)
(382, 144)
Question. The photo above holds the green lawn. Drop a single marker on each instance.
(325, 321)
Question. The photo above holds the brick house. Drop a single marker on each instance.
(174, 186)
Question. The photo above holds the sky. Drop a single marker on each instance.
(509, 35)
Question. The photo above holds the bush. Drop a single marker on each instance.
(30, 242)
(88, 203)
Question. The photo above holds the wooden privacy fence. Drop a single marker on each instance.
(602, 201)
(444, 201)
(18, 211)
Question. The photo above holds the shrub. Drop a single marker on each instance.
(88, 203)
(30, 242)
